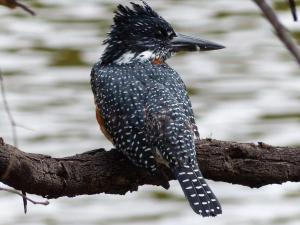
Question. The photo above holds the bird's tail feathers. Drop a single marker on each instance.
(201, 198)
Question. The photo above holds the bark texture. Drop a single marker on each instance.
(100, 171)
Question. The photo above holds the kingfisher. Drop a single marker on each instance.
(142, 104)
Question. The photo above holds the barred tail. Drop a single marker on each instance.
(201, 198)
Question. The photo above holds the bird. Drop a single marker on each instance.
(142, 104)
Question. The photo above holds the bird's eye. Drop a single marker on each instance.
(160, 34)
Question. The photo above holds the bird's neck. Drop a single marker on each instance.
(145, 56)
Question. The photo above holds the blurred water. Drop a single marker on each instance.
(247, 92)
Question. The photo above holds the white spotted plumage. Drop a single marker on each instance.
(162, 125)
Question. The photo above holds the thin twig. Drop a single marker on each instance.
(13, 4)
(293, 9)
(8, 112)
(13, 127)
(25, 8)
(24, 196)
(281, 31)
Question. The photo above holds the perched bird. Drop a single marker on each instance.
(142, 105)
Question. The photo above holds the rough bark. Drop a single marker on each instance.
(100, 171)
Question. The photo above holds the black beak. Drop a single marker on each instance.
(185, 43)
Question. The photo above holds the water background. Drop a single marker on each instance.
(248, 92)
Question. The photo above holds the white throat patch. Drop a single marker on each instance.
(125, 58)
(146, 55)
(129, 57)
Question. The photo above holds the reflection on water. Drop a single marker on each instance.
(247, 92)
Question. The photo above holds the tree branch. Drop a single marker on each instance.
(281, 31)
(292, 4)
(24, 197)
(12, 4)
(100, 171)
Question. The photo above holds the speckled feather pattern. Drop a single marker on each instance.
(148, 114)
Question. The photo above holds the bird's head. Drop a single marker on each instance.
(140, 34)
